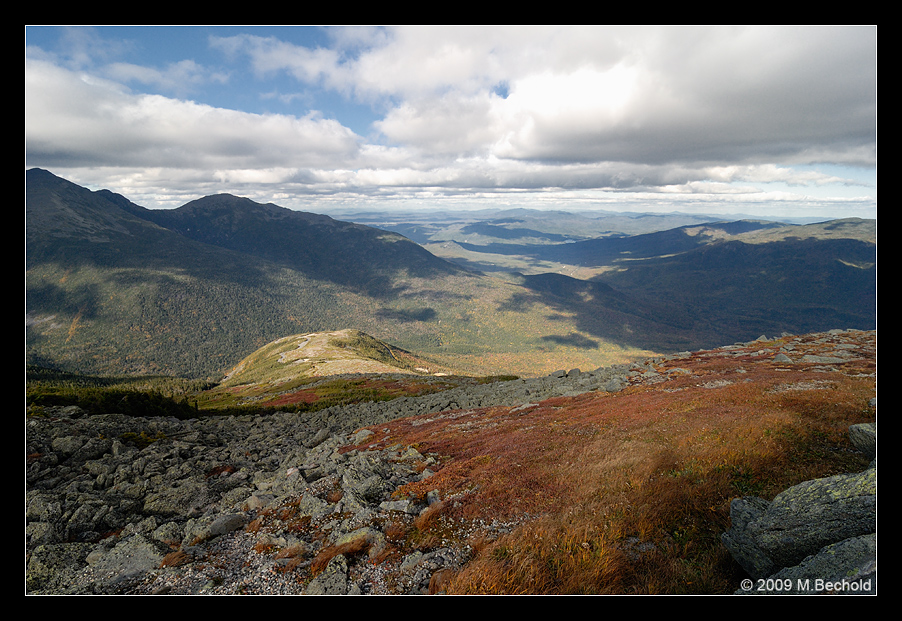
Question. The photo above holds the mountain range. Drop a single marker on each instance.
(112, 287)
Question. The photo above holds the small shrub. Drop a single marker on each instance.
(264, 547)
(255, 525)
(396, 532)
(292, 552)
(142, 440)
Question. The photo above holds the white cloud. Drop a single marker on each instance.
(771, 173)
(70, 117)
(270, 55)
(706, 95)
(179, 78)
(651, 95)
(453, 125)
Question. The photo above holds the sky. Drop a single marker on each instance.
(765, 121)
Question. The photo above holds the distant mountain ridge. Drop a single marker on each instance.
(112, 287)
(323, 248)
(57, 209)
(609, 250)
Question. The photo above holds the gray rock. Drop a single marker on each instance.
(740, 541)
(816, 537)
(41, 533)
(806, 517)
(404, 506)
(847, 567)
(362, 436)
(864, 438)
(227, 523)
(52, 568)
(258, 501)
(169, 534)
(127, 559)
(310, 505)
(319, 438)
(333, 580)
(185, 497)
(823, 359)
(67, 445)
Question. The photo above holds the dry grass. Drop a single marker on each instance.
(428, 518)
(352, 548)
(440, 581)
(263, 547)
(295, 551)
(175, 559)
(630, 492)
(255, 525)
(396, 532)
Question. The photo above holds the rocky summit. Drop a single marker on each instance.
(397, 497)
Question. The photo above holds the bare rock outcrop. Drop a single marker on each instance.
(816, 537)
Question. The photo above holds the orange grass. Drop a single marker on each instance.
(352, 548)
(175, 559)
(629, 492)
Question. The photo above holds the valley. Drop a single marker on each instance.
(112, 287)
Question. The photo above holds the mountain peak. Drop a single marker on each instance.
(241, 209)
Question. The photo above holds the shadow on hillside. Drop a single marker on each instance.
(51, 298)
(718, 293)
(572, 340)
(406, 316)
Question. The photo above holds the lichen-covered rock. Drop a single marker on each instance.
(129, 558)
(805, 518)
(818, 536)
(52, 568)
(846, 567)
(333, 580)
(740, 541)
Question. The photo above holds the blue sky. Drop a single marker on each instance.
(774, 122)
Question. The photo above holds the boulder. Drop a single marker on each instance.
(818, 536)
(807, 517)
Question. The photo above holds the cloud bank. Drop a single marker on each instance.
(593, 115)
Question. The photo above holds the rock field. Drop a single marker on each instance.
(251, 504)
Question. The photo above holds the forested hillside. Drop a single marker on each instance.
(110, 292)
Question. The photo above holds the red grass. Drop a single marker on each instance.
(629, 492)
(302, 396)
